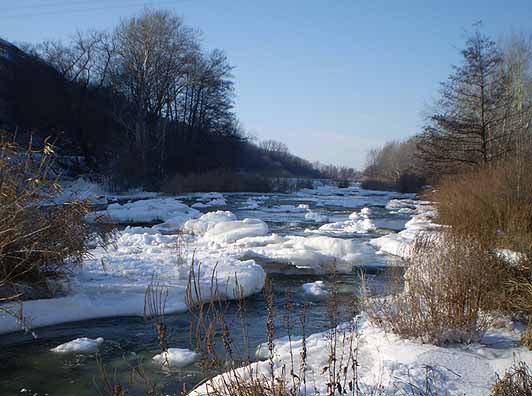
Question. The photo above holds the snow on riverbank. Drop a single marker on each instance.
(400, 244)
(389, 363)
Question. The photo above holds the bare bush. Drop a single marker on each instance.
(516, 382)
(37, 243)
(448, 287)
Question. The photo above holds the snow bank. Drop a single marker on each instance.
(146, 211)
(79, 345)
(316, 289)
(176, 357)
(400, 244)
(389, 364)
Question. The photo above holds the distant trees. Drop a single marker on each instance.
(141, 103)
(394, 166)
(481, 113)
(274, 146)
(337, 172)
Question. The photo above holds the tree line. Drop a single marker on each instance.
(141, 103)
(482, 118)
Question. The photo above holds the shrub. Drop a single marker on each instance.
(516, 382)
(450, 282)
(37, 242)
(493, 206)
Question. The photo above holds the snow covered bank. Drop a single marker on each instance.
(400, 244)
(389, 363)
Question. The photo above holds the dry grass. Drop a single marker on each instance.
(449, 285)
(494, 204)
(516, 382)
(37, 243)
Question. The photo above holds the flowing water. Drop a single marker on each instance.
(27, 367)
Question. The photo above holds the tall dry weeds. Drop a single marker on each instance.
(38, 242)
(449, 286)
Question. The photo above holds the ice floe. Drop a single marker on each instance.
(315, 289)
(400, 244)
(176, 358)
(79, 345)
(147, 211)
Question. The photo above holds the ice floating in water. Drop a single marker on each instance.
(176, 357)
(319, 254)
(213, 202)
(112, 282)
(145, 211)
(79, 345)
(316, 289)
(358, 223)
(221, 227)
(287, 209)
(400, 244)
(207, 221)
(316, 217)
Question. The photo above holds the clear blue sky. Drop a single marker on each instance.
(330, 78)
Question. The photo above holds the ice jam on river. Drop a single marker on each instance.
(233, 241)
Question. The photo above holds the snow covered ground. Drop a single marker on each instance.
(388, 363)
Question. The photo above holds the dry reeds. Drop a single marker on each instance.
(37, 242)
(449, 285)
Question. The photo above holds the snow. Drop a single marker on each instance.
(287, 209)
(221, 227)
(358, 223)
(207, 221)
(213, 202)
(112, 281)
(389, 363)
(316, 217)
(82, 189)
(319, 254)
(176, 358)
(79, 345)
(400, 244)
(315, 289)
(147, 211)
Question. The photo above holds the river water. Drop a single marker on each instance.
(27, 367)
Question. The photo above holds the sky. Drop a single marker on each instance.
(330, 78)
